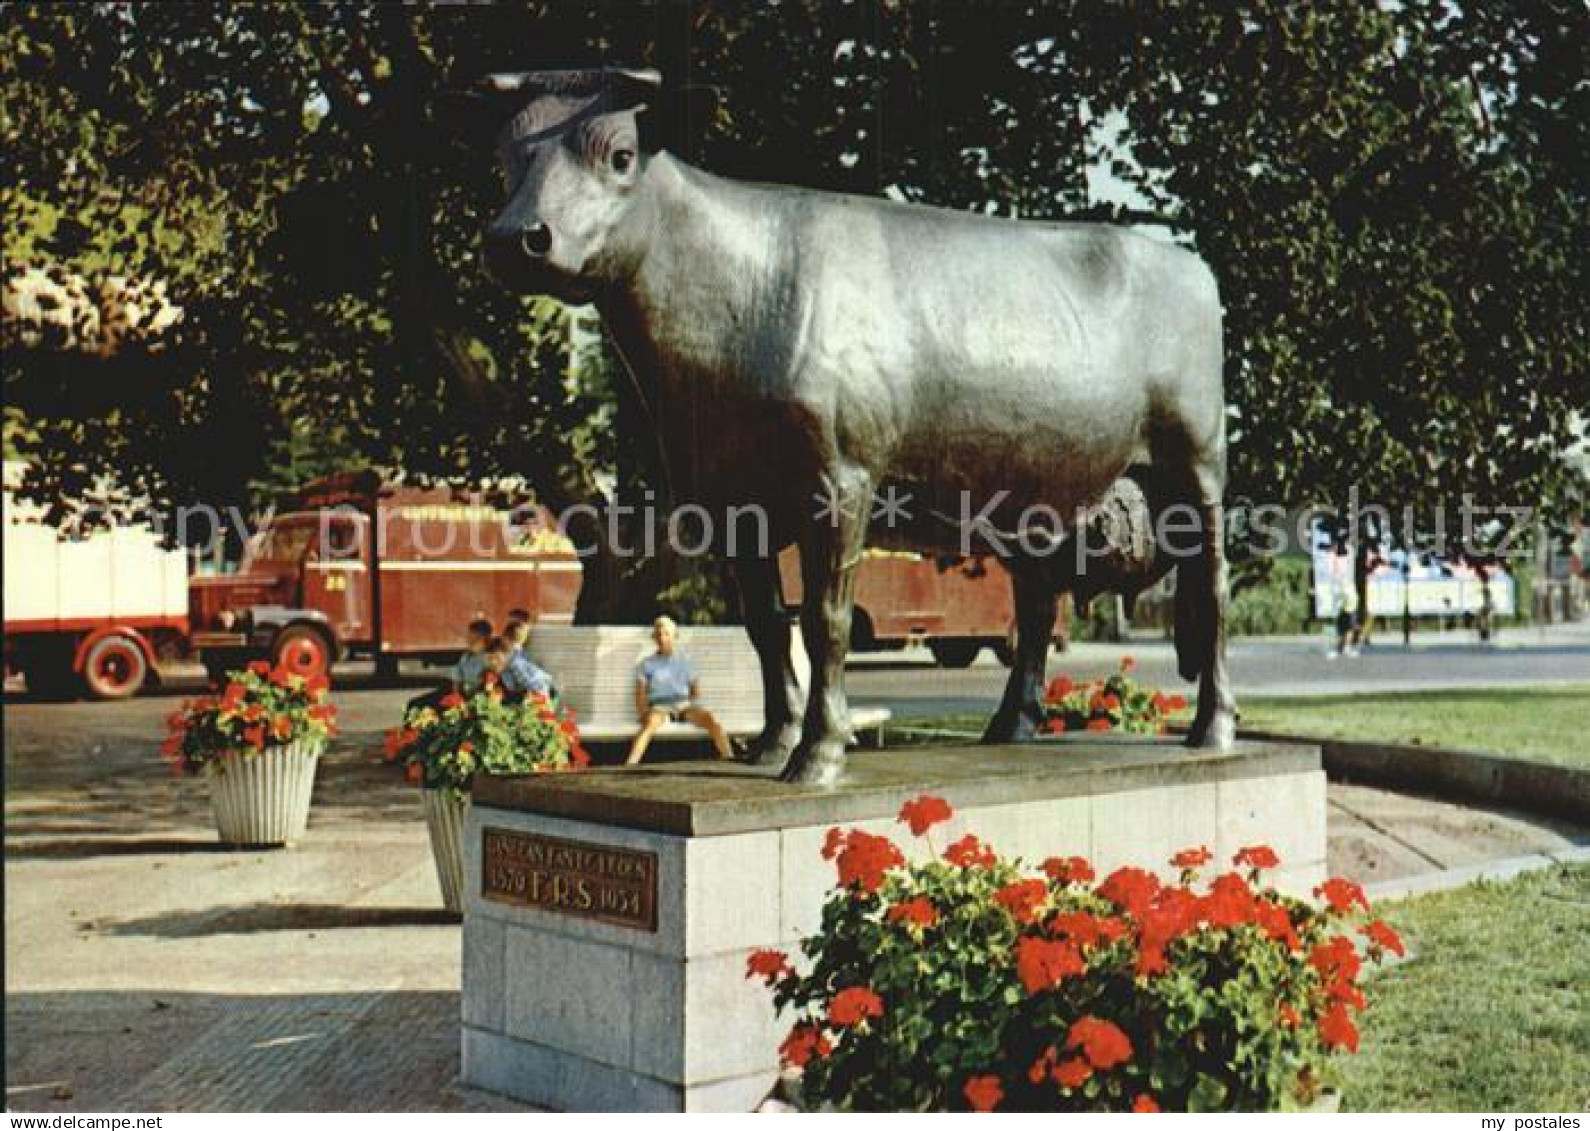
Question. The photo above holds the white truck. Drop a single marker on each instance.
(88, 614)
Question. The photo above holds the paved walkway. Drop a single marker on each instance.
(148, 969)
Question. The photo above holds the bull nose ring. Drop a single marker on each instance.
(536, 240)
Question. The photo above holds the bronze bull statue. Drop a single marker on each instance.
(801, 352)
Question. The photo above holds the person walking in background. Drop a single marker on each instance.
(666, 690)
(1346, 619)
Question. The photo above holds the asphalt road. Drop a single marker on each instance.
(70, 743)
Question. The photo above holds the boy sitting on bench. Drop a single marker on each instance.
(666, 691)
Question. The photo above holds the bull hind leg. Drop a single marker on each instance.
(1021, 708)
(1215, 723)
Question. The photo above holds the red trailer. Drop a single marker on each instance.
(355, 567)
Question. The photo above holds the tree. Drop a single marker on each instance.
(1389, 196)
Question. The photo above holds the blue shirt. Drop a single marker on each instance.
(522, 677)
(470, 671)
(667, 679)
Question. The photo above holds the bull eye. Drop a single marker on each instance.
(623, 159)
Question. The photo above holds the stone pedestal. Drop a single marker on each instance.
(609, 915)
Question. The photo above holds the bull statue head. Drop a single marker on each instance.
(570, 159)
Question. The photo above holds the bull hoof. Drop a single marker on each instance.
(771, 750)
(1218, 733)
(820, 764)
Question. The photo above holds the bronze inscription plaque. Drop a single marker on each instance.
(570, 877)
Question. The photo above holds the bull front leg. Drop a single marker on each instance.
(1019, 711)
(767, 624)
(831, 549)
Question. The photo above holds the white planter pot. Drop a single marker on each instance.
(262, 798)
(444, 816)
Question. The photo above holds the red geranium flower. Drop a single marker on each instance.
(1145, 1105)
(1087, 929)
(804, 1043)
(769, 965)
(1099, 724)
(1102, 1042)
(863, 859)
(1342, 894)
(1230, 901)
(450, 700)
(318, 686)
(1384, 937)
(1068, 870)
(1043, 963)
(1336, 1029)
(853, 1005)
(1259, 856)
(260, 668)
(1189, 858)
(1022, 898)
(969, 852)
(1130, 888)
(1072, 1073)
(281, 728)
(1289, 1017)
(254, 736)
(922, 813)
(983, 1093)
(1336, 959)
(919, 911)
(1059, 687)
(1276, 922)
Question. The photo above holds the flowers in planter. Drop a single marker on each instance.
(259, 709)
(445, 746)
(965, 983)
(1118, 702)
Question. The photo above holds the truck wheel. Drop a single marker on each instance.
(302, 651)
(115, 668)
(954, 653)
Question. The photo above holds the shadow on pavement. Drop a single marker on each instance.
(256, 917)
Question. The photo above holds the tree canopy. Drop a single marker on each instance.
(1392, 198)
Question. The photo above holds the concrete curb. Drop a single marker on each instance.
(1560, 791)
(1494, 870)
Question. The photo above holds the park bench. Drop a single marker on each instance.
(594, 670)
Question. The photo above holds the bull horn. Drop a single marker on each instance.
(631, 84)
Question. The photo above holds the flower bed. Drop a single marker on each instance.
(965, 982)
(1117, 702)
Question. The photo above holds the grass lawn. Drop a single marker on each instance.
(1492, 1013)
(1541, 724)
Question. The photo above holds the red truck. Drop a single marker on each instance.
(956, 606)
(356, 567)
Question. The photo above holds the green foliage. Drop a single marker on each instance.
(1275, 599)
(445, 746)
(1389, 195)
(260, 709)
(964, 982)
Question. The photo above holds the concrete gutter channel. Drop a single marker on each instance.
(1458, 775)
